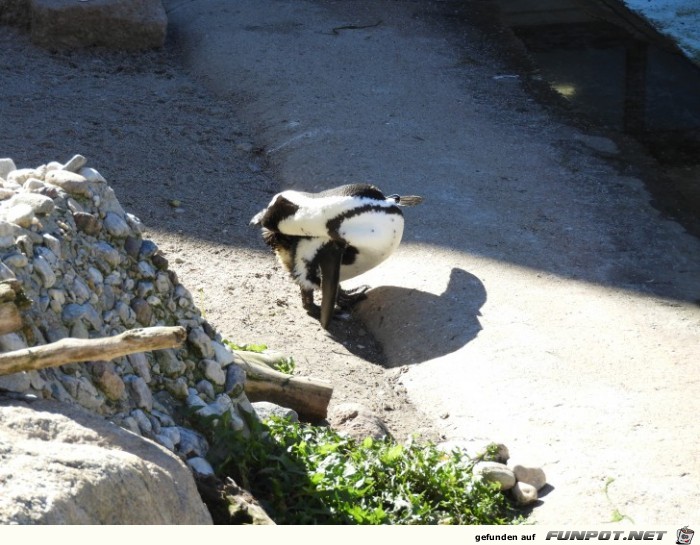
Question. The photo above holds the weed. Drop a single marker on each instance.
(616, 515)
(305, 474)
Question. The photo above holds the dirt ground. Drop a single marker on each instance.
(179, 159)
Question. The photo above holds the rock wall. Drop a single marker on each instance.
(87, 271)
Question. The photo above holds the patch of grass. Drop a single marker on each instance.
(305, 474)
(246, 347)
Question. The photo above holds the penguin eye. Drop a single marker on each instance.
(396, 198)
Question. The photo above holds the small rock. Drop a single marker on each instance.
(194, 401)
(39, 204)
(7, 165)
(265, 410)
(17, 382)
(109, 382)
(70, 182)
(87, 223)
(135, 224)
(357, 421)
(200, 466)
(34, 185)
(235, 381)
(140, 392)
(531, 475)
(222, 354)
(43, 269)
(497, 473)
(524, 493)
(192, 442)
(146, 270)
(160, 262)
(144, 288)
(162, 283)
(19, 176)
(147, 249)
(131, 246)
(142, 310)
(15, 260)
(91, 175)
(75, 163)
(222, 404)
(53, 244)
(116, 226)
(212, 371)
(206, 389)
(201, 342)
(177, 388)
(171, 432)
(20, 214)
(129, 423)
(139, 362)
(165, 441)
(144, 423)
(169, 363)
(106, 253)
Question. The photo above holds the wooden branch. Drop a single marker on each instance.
(71, 350)
(309, 397)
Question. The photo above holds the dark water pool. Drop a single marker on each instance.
(612, 66)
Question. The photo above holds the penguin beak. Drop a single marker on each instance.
(330, 258)
(257, 218)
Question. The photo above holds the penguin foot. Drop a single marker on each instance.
(349, 298)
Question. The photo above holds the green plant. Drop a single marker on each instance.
(617, 516)
(246, 347)
(284, 364)
(305, 474)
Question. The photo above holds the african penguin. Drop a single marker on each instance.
(327, 237)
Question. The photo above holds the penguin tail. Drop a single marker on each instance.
(409, 200)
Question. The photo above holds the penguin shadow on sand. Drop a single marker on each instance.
(414, 326)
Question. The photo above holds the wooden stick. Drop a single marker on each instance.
(309, 397)
(71, 350)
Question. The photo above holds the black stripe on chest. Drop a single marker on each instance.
(333, 224)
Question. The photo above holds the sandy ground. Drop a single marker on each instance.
(555, 310)
(158, 136)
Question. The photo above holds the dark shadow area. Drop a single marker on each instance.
(612, 66)
(428, 325)
(173, 152)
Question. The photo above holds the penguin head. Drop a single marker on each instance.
(280, 207)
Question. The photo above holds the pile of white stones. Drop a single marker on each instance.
(522, 482)
(83, 263)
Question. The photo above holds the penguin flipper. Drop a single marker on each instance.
(329, 258)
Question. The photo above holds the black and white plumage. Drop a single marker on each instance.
(327, 237)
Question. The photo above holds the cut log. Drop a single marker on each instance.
(309, 397)
(71, 350)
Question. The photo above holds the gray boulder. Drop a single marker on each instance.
(62, 465)
(357, 421)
